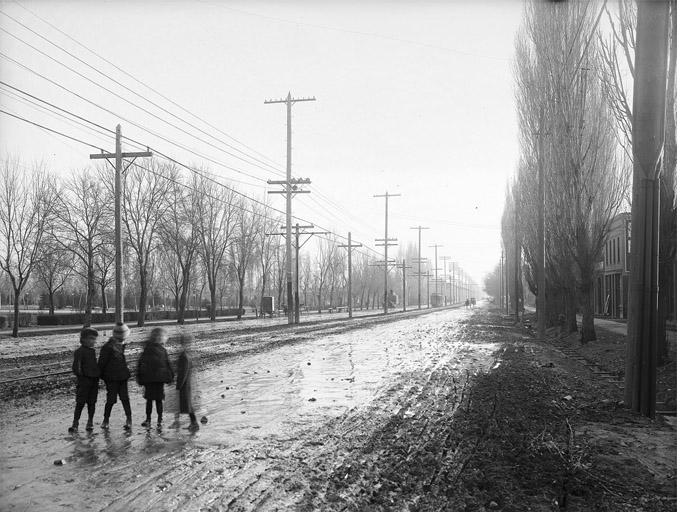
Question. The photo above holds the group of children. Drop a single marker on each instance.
(153, 372)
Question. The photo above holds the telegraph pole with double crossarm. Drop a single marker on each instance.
(350, 247)
(386, 242)
(290, 187)
(119, 155)
(419, 261)
(404, 268)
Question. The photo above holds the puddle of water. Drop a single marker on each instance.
(247, 399)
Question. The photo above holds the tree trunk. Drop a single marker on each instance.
(15, 327)
(91, 293)
(104, 299)
(212, 298)
(588, 324)
(143, 299)
(240, 296)
(51, 302)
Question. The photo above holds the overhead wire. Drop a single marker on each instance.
(192, 114)
(80, 60)
(132, 103)
(141, 108)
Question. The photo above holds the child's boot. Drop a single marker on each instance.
(194, 425)
(90, 417)
(175, 424)
(159, 420)
(147, 422)
(128, 413)
(74, 428)
(106, 414)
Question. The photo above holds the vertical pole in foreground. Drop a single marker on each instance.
(117, 192)
(290, 191)
(540, 298)
(648, 132)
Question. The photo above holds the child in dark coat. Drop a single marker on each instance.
(154, 371)
(184, 384)
(87, 372)
(115, 373)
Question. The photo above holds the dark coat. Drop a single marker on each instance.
(112, 362)
(84, 363)
(184, 383)
(154, 365)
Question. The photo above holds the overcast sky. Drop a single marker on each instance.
(412, 98)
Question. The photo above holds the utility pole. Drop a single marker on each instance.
(444, 275)
(119, 155)
(386, 242)
(500, 282)
(350, 247)
(290, 188)
(518, 258)
(648, 133)
(297, 248)
(418, 260)
(404, 284)
(436, 268)
(540, 298)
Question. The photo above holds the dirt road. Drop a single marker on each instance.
(449, 410)
(265, 409)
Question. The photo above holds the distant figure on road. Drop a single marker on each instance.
(185, 384)
(467, 303)
(88, 373)
(115, 373)
(153, 372)
(473, 302)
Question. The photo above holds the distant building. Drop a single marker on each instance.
(612, 274)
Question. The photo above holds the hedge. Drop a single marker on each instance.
(109, 318)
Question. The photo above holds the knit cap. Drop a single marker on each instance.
(120, 331)
(88, 331)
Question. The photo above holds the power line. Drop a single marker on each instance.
(50, 129)
(157, 93)
(126, 100)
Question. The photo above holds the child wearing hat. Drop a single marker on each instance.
(115, 374)
(87, 373)
(154, 372)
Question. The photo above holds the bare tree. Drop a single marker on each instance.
(555, 53)
(145, 194)
(269, 245)
(215, 216)
(244, 249)
(324, 259)
(104, 267)
(82, 219)
(179, 235)
(26, 212)
(55, 268)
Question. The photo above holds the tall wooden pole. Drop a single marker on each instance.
(119, 155)
(290, 190)
(386, 243)
(540, 298)
(648, 131)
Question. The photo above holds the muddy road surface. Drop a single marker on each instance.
(280, 403)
